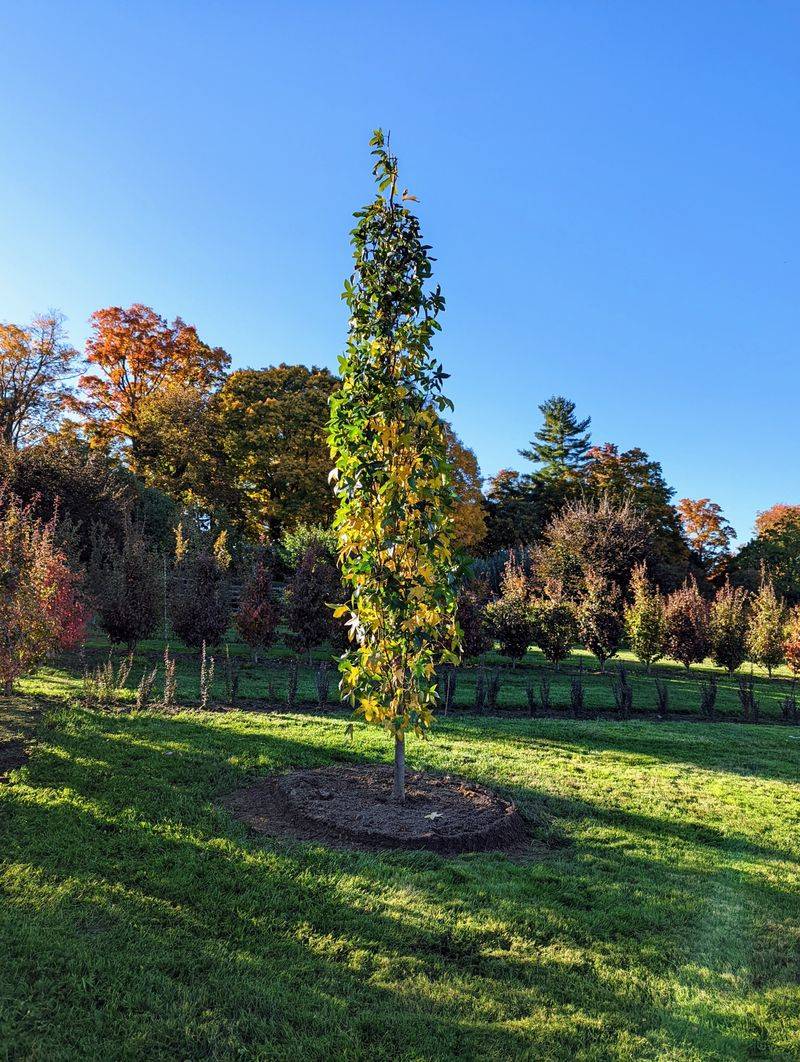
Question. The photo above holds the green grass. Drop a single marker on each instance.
(656, 917)
(264, 684)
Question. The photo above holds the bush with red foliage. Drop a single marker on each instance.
(256, 619)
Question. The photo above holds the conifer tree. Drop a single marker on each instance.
(392, 480)
(560, 446)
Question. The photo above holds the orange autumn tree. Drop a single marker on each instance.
(706, 530)
(137, 357)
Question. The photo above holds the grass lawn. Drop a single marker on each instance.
(658, 915)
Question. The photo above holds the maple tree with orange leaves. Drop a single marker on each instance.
(137, 356)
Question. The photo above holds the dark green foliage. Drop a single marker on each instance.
(560, 446)
(200, 599)
(126, 585)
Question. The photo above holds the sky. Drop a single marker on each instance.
(611, 190)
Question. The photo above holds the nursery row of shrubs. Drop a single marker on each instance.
(730, 628)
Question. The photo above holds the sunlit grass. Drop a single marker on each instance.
(655, 917)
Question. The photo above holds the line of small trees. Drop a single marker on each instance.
(195, 596)
(731, 627)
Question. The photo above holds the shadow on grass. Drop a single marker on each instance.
(129, 892)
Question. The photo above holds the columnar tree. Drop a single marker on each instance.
(256, 618)
(510, 616)
(729, 627)
(686, 616)
(555, 628)
(644, 618)
(392, 479)
(765, 631)
(309, 592)
(200, 600)
(600, 621)
(791, 641)
(126, 585)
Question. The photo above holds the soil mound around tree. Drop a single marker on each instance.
(352, 807)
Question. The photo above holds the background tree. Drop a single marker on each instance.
(776, 549)
(604, 538)
(728, 627)
(601, 625)
(136, 355)
(37, 364)
(765, 631)
(560, 446)
(469, 512)
(644, 618)
(516, 510)
(40, 605)
(200, 599)
(392, 479)
(127, 586)
(555, 629)
(707, 531)
(256, 618)
(272, 426)
(687, 625)
(633, 477)
(296, 542)
(509, 616)
(307, 600)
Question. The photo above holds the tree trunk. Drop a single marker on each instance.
(399, 791)
(8, 687)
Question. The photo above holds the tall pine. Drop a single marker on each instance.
(560, 446)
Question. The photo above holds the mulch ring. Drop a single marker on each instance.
(351, 807)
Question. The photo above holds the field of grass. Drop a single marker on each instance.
(656, 916)
(264, 683)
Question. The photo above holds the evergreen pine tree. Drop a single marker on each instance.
(560, 446)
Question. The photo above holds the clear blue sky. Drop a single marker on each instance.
(611, 189)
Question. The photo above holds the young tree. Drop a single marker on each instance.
(765, 629)
(256, 619)
(40, 606)
(391, 477)
(707, 531)
(560, 446)
(601, 625)
(296, 543)
(687, 625)
(644, 618)
(310, 592)
(36, 366)
(200, 603)
(791, 641)
(137, 355)
(126, 585)
(510, 616)
(555, 629)
(728, 627)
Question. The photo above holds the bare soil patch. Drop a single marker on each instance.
(352, 807)
(17, 725)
